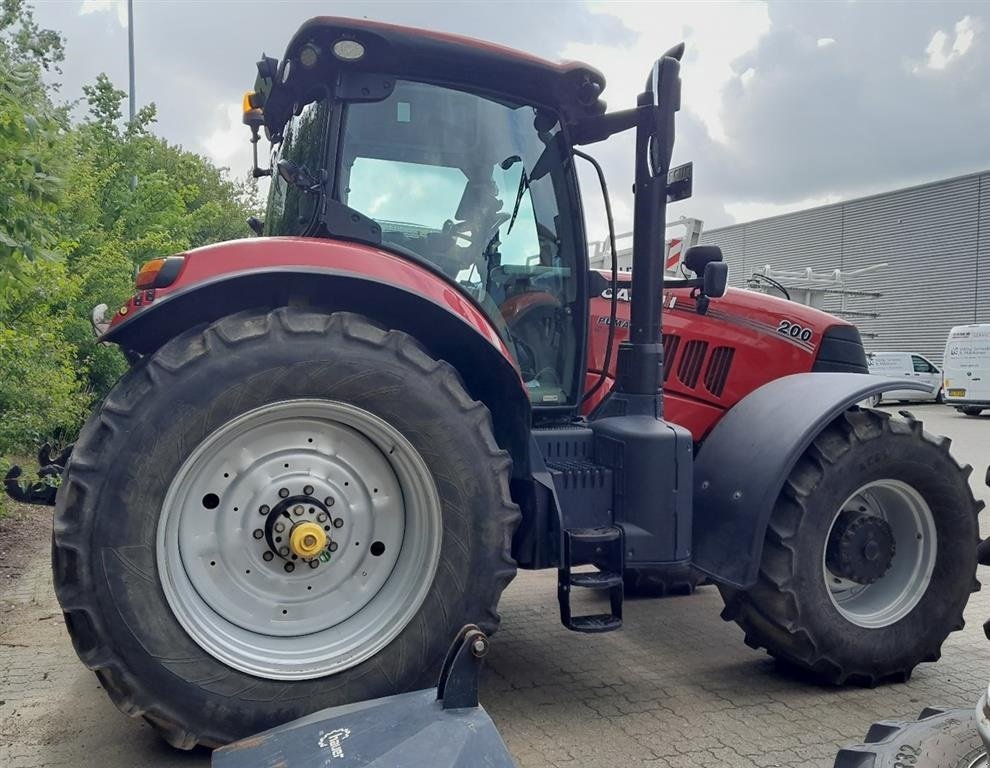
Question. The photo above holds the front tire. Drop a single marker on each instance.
(178, 587)
(970, 410)
(869, 556)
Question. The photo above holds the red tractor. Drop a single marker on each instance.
(339, 440)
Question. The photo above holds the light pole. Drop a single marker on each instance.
(130, 54)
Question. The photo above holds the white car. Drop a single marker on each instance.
(906, 365)
(967, 368)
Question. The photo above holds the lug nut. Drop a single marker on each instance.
(338, 522)
(289, 567)
(283, 551)
(268, 556)
(308, 490)
(283, 492)
(279, 527)
(298, 509)
(322, 517)
(258, 533)
(264, 509)
(329, 501)
(314, 563)
(333, 546)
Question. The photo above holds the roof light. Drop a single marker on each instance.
(348, 50)
(308, 55)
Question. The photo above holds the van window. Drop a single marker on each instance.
(922, 366)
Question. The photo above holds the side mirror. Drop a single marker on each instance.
(256, 225)
(296, 175)
(700, 256)
(715, 279)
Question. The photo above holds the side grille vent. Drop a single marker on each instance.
(671, 342)
(689, 368)
(718, 369)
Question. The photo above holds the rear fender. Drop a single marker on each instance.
(450, 326)
(744, 462)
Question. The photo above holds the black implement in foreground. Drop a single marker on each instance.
(442, 728)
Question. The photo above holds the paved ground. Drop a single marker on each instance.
(675, 688)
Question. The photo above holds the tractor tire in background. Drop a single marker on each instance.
(869, 556)
(197, 494)
(647, 582)
(937, 739)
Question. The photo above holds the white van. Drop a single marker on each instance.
(906, 365)
(966, 377)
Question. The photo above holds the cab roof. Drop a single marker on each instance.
(571, 89)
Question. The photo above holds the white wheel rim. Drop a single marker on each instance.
(274, 615)
(896, 593)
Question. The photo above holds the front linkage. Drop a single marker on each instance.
(42, 490)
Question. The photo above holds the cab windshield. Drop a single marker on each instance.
(475, 188)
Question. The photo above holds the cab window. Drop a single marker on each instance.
(471, 186)
(291, 208)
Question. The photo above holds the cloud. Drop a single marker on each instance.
(106, 6)
(227, 140)
(939, 54)
(715, 34)
(825, 42)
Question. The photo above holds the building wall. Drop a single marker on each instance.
(935, 239)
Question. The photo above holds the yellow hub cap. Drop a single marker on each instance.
(307, 540)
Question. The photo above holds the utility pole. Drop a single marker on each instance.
(130, 54)
(130, 65)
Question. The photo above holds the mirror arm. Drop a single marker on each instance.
(595, 129)
(257, 172)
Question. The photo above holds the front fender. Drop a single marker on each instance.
(333, 276)
(745, 460)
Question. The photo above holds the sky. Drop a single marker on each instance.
(786, 105)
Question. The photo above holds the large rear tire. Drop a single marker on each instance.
(937, 739)
(176, 560)
(870, 554)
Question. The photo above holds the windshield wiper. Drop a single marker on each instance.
(523, 186)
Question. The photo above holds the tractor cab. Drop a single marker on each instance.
(449, 153)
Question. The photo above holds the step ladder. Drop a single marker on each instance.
(603, 548)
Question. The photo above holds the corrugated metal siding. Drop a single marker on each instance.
(983, 263)
(934, 238)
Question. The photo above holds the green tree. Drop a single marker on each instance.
(74, 226)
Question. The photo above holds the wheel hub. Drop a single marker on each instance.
(861, 547)
(300, 527)
(307, 540)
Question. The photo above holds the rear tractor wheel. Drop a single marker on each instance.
(870, 554)
(283, 512)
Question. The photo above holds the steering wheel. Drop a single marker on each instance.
(466, 230)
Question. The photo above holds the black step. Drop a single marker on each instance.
(603, 622)
(596, 580)
(604, 548)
